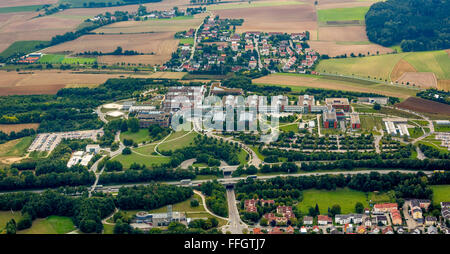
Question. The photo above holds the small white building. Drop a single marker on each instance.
(93, 149)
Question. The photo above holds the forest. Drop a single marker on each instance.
(417, 25)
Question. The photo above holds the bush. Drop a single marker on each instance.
(126, 151)
(194, 203)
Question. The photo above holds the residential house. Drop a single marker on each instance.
(324, 220)
(430, 220)
(385, 207)
(307, 220)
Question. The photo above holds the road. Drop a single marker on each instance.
(420, 154)
(235, 224)
(100, 114)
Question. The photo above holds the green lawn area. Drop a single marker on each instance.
(6, 216)
(418, 122)
(22, 48)
(172, 144)
(242, 157)
(290, 127)
(148, 161)
(258, 153)
(415, 132)
(108, 229)
(441, 128)
(50, 225)
(441, 193)
(184, 206)
(138, 137)
(187, 41)
(346, 198)
(24, 8)
(339, 14)
(369, 122)
(382, 197)
(17, 147)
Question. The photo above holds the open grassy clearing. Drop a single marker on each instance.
(368, 123)
(17, 147)
(381, 197)
(346, 198)
(108, 229)
(138, 137)
(147, 160)
(8, 128)
(50, 225)
(441, 193)
(174, 144)
(290, 127)
(184, 206)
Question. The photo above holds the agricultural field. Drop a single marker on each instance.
(299, 82)
(417, 68)
(14, 3)
(346, 198)
(342, 14)
(50, 225)
(21, 47)
(8, 128)
(282, 18)
(152, 25)
(441, 193)
(435, 109)
(238, 5)
(49, 82)
(63, 59)
(23, 8)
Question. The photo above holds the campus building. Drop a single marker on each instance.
(338, 103)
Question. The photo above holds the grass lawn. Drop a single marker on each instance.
(108, 229)
(50, 225)
(339, 14)
(173, 144)
(369, 122)
(148, 161)
(258, 153)
(382, 197)
(290, 127)
(415, 132)
(138, 137)
(189, 41)
(242, 156)
(16, 147)
(6, 216)
(184, 206)
(346, 198)
(441, 193)
(441, 128)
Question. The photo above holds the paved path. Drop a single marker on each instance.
(235, 225)
(206, 207)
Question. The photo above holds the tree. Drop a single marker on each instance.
(25, 222)
(194, 203)
(11, 227)
(263, 222)
(359, 207)
(133, 124)
(335, 209)
(124, 126)
(376, 106)
(126, 151)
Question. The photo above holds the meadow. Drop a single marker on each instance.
(24, 8)
(22, 47)
(50, 225)
(138, 137)
(346, 198)
(17, 147)
(441, 193)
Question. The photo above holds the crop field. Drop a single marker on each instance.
(167, 75)
(441, 193)
(393, 66)
(8, 128)
(50, 225)
(301, 82)
(254, 4)
(49, 82)
(283, 18)
(152, 25)
(23, 8)
(14, 3)
(63, 59)
(21, 47)
(334, 48)
(341, 14)
(23, 27)
(346, 198)
(426, 106)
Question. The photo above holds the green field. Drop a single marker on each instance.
(184, 206)
(340, 14)
(79, 3)
(24, 8)
(17, 147)
(415, 132)
(381, 66)
(189, 41)
(108, 229)
(441, 128)
(346, 198)
(63, 59)
(50, 225)
(138, 137)
(172, 144)
(22, 48)
(147, 160)
(441, 193)
(290, 127)
(369, 122)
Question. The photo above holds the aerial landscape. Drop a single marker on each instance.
(255, 117)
